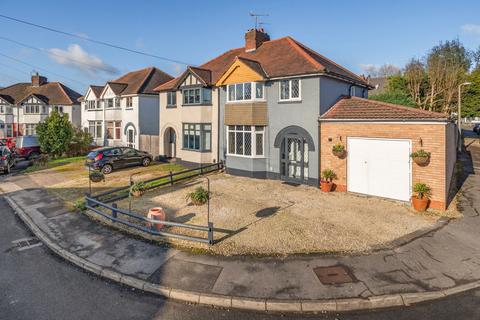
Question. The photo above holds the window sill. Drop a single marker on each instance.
(246, 101)
(197, 105)
(128, 108)
(114, 108)
(171, 106)
(247, 157)
(94, 110)
(198, 151)
(290, 101)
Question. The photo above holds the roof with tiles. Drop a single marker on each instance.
(49, 92)
(277, 58)
(355, 108)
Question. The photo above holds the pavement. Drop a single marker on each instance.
(37, 284)
(440, 263)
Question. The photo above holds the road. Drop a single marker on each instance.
(36, 284)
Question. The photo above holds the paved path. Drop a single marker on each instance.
(444, 259)
(36, 284)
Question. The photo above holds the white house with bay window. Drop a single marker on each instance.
(124, 112)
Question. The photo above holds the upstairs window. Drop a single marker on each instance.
(194, 96)
(59, 109)
(171, 99)
(129, 102)
(290, 90)
(33, 109)
(109, 103)
(246, 91)
(117, 102)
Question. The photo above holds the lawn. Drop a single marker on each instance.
(269, 217)
(68, 178)
(54, 163)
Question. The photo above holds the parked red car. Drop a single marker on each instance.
(8, 142)
(27, 147)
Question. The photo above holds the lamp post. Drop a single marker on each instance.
(459, 115)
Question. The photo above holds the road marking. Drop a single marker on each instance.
(23, 239)
(26, 243)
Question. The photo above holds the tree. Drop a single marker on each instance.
(383, 71)
(55, 134)
(395, 97)
(80, 142)
(471, 96)
(416, 81)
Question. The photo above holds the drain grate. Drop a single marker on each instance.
(26, 243)
(338, 274)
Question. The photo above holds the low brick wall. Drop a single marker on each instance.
(430, 137)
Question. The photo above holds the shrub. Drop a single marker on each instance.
(80, 143)
(80, 205)
(199, 196)
(420, 154)
(138, 186)
(55, 134)
(422, 190)
(328, 175)
(338, 148)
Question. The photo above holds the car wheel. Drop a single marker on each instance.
(146, 162)
(107, 169)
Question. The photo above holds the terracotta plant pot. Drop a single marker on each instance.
(420, 204)
(339, 154)
(326, 186)
(421, 161)
(138, 193)
(156, 214)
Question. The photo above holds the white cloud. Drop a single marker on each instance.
(177, 69)
(471, 28)
(78, 58)
(375, 70)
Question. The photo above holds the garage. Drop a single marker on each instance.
(377, 139)
(379, 167)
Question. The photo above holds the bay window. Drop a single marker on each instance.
(246, 91)
(30, 129)
(95, 129)
(246, 141)
(197, 136)
(113, 130)
(194, 96)
(290, 90)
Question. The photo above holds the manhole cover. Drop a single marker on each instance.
(334, 275)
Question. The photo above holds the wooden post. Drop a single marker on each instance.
(171, 178)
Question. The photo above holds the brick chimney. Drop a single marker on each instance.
(38, 80)
(254, 39)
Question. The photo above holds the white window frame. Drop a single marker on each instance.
(352, 91)
(128, 102)
(96, 124)
(253, 143)
(204, 130)
(253, 93)
(299, 98)
(59, 109)
(30, 129)
(200, 101)
(116, 125)
(171, 99)
(9, 128)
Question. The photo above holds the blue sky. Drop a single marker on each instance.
(352, 33)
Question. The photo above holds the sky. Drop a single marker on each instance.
(355, 34)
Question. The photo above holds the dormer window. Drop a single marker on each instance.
(246, 91)
(5, 108)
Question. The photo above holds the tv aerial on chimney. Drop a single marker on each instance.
(257, 16)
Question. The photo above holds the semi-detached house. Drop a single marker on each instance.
(125, 111)
(24, 105)
(275, 108)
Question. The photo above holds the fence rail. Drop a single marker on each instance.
(95, 203)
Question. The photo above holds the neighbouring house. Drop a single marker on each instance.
(24, 105)
(379, 138)
(125, 111)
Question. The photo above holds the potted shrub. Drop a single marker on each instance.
(338, 150)
(326, 183)
(137, 189)
(420, 196)
(421, 157)
(96, 176)
(199, 196)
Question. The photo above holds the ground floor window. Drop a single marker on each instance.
(30, 129)
(9, 130)
(95, 129)
(246, 141)
(197, 136)
(114, 129)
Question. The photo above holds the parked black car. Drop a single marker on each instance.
(476, 128)
(109, 158)
(7, 159)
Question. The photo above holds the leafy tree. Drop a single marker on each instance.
(471, 96)
(395, 97)
(55, 134)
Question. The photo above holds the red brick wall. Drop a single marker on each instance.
(430, 137)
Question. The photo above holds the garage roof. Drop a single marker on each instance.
(355, 108)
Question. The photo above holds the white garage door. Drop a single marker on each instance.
(379, 167)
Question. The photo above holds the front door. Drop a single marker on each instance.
(294, 159)
(131, 138)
